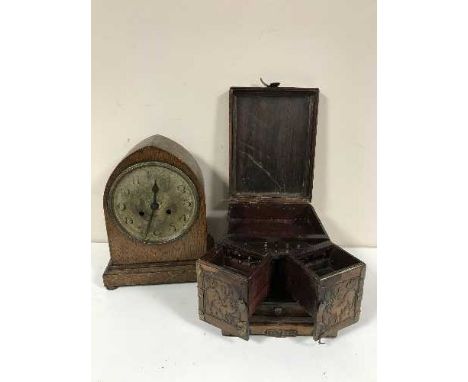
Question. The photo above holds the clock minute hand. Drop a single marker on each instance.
(154, 206)
(155, 189)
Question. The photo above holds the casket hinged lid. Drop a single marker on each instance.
(272, 142)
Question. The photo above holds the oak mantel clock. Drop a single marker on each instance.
(154, 207)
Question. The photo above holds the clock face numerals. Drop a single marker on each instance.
(154, 202)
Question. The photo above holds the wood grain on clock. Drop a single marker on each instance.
(166, 261)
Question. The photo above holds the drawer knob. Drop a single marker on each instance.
(278, 310)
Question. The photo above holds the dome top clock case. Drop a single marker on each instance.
(154, 207)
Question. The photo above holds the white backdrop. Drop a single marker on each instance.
(166, 67)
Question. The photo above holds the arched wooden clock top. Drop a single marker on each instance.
(155, 212)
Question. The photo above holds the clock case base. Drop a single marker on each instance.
(170, 272)
(117, 275)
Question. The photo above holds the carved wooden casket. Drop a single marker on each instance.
(276, 273)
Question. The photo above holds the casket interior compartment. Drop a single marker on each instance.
(237, 259)
(274, 220)
(244, 272)
(328, 283)
(328, 260)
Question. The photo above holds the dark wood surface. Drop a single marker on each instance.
(272, 133)
(127, 251)
(274, 219)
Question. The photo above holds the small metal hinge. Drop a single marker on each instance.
(271, 84)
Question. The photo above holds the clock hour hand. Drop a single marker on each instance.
(154, 206)
(155, 189)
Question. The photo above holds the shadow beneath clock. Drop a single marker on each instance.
(216, 191)
(217, 225)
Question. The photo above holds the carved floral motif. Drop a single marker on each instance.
(221, 301)
(340, 302)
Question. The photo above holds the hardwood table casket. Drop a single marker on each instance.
(276, 273)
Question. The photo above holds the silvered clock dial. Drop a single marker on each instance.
(154, 202)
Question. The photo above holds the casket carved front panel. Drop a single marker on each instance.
(340, 305)
(221, 303)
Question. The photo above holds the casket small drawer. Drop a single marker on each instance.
(328, 283)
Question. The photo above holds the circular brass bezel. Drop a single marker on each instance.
(129, 169)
